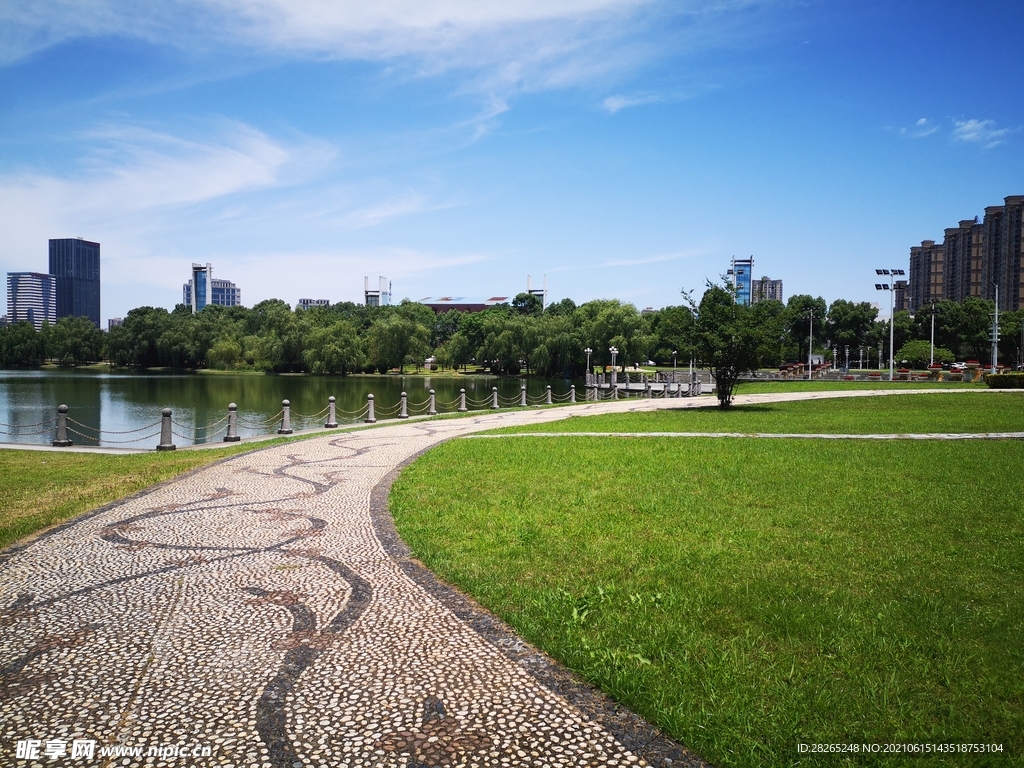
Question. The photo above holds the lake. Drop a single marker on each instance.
(116, 409)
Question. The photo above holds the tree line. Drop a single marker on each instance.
(515, 338)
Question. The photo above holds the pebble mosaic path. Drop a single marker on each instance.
(264, 608)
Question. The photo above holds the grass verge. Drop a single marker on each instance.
(749, 595)
(995, 411)
(42, 488)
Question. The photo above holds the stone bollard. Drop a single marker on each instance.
(462, 401)
(432, 409)
(370, 418)
(615, 392)
(332, 413)
(548, 401)
(522, 395)
(286, 418)
(232, 435)
(494, 397)
(404, 413)
(572, 393)
(62, 441)
(165, 431)
(647, 391)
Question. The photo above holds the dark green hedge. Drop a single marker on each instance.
(1005, 380)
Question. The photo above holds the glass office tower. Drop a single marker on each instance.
(75, 264)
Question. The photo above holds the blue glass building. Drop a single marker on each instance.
(741, 272)
(75, 265)
(203, 289)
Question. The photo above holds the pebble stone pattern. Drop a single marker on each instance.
(264, 606)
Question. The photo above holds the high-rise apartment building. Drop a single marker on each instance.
(926, 274)
(75, 263)
(380, 297)
(310, 303)
(765, 289)
(1003, 252)
(32, 297)
(203, 289)
(741, 272)
(962, 249)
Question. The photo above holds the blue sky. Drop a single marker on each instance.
(624, 148)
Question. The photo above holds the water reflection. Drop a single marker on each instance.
(124, 408)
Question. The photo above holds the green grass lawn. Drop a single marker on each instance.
(41, 488)
(747, 595)
(995, 411)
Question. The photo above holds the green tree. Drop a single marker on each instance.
(731, 339)
(334, 349)
(917, 354)
(75, 341)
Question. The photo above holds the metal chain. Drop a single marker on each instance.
(113, 432)
(114, 442)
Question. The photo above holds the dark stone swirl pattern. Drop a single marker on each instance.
(263, 606)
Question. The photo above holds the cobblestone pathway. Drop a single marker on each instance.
(263, 608)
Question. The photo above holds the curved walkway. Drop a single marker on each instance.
(263, 609)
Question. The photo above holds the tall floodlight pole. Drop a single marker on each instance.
(810, 345)
(931, 355)
(995, 331)
(891, 288)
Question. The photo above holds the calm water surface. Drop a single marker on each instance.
(117, 409)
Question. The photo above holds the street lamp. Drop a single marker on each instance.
(614, 352)
(846, 358)
(674, 353)
(995, 331)
(891, 288)
(810, 345)
(588, 350)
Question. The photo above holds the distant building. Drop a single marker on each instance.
(75, 263)
(114, 322)
(900, 299)
(203, 289)
(462, 303)
(310, 303)
(380, 297)
(31, 297)
(741, 272)
(765, 289)
(540, 293)
(973, 259)
(963, 253)
(927, 262)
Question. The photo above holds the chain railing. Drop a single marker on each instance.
(597, 390)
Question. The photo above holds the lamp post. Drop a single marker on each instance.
(846, 358)
(614, 352)
(674, 353)
(810, 345)
(931, 353)
(588, 350)
(891, 288)
(995, 331)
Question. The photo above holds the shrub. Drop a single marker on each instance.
(1005, 380)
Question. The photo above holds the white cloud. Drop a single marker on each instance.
(613, 104)
(923, 127)
(981, 132)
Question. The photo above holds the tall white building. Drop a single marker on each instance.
(31, 296)
(380, 297)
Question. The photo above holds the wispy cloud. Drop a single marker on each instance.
(923, 127)
(131, 177)
(981, 132)
(613, 104)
